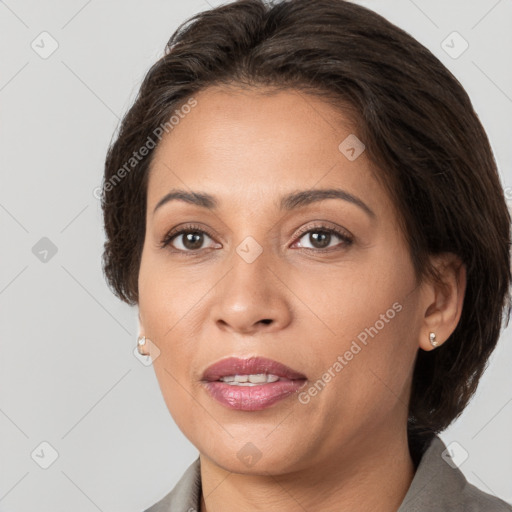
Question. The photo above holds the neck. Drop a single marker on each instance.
(374, 476)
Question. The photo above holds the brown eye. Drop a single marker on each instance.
(189, 239)
(193, 240)
(321, 238)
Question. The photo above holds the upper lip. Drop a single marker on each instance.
(249, 366)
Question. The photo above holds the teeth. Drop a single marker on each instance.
(249, 380)
(259, 378)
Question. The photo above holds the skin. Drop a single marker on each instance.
(346, 449)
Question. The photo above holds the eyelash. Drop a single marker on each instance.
(346, 239)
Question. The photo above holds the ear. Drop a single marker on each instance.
(443, 300)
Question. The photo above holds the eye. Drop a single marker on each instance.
(188, 239)
(321, 236)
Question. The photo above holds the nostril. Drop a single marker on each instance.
(266, 321)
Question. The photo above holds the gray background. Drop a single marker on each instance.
(68, 374)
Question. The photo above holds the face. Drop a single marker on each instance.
(319, 282)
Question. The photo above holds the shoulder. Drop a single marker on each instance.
(476, 500)
(439, 484)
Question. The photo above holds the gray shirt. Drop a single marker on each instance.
(436, 487)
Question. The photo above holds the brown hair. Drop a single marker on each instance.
(420, 132)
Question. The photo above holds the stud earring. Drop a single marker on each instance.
(432, 337)
(141, 341)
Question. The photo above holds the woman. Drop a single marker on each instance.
(306, 210)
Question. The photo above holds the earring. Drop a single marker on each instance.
(432, 337)
(141, 341)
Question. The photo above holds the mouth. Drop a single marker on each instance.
(253, 370)
(251, 384)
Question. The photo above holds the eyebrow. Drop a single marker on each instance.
(289, 202)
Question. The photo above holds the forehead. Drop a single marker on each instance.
(251, 144)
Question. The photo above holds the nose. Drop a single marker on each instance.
(251, 298)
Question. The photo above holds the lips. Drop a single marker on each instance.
(269, 382)
(250, 366)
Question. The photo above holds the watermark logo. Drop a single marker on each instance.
(351, 147)
(44, 250)
(150, 143)
(249, 454)
(44, 45)
(454, 45)
(455, 454)
(249, 249)
(344, 359)
(149, 358)
(44, 455)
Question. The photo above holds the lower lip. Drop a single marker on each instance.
(252, 398)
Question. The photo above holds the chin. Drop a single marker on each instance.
(250, 454)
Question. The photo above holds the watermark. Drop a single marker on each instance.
(351, 147)
(44, 250)
(144, 150)
(455, 454)
(249, 249)
(355, 348)
(454, 45)
(153, 352)
(249, 454)
(44, 45)
(44, 455)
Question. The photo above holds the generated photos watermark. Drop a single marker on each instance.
(355, 348)
(144, 150)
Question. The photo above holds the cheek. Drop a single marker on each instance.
(169, 297)
(351, 298)
(371, 313)
(165, 306)
(179, 396)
